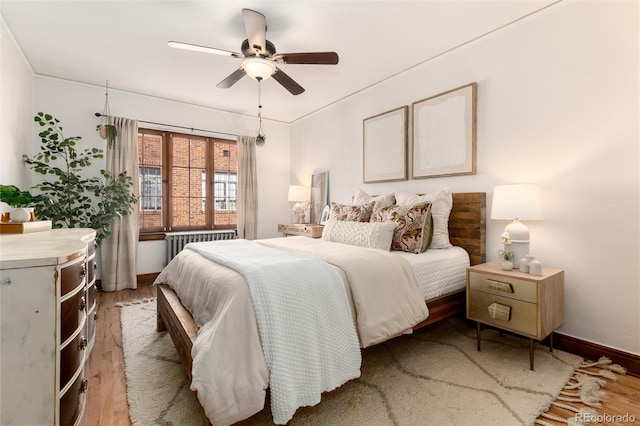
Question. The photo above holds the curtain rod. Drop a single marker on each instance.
(97, 114)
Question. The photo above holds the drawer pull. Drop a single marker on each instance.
(95, 316)
(82, 345)
(83, 271)
(499, 286)
(499, 312)
(84, 384)
(83, 304)
(95, 265)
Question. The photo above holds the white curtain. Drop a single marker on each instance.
(247, 202)
(118, 253)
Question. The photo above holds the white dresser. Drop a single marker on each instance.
(47, 308)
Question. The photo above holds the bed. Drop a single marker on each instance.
(466, 230)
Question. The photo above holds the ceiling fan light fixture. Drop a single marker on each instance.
(258, 68)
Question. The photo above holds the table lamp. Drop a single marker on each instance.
(517, 202)
(300, 196)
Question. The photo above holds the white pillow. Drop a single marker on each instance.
(362, 197)
(441, 203)
(361, 234)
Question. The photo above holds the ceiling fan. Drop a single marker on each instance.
(260, 57)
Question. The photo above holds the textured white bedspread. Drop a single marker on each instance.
(439, 271)
(304, 319)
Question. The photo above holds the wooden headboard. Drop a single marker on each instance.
(467, 224)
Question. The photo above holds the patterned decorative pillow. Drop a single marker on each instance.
(362, 197)
(362, 234)
(349, 213)
(410, 224)
(442, 202)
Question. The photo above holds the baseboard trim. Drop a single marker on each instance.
(593, 351)
(141, 279)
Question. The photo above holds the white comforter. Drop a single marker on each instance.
(384, 294)
(308, 337)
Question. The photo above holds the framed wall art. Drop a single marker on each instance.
(385, 146)
(444, 134)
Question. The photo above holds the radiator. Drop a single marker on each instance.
(177, 240)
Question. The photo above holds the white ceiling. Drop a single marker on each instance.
(125, 42)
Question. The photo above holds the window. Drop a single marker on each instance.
(225, 185)
(150, 180)
(151, 188)
(186, 182)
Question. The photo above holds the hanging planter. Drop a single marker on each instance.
(105, 130)
(261, 138)
(108, 132)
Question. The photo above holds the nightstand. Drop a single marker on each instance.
(304, 229)
(525, 304)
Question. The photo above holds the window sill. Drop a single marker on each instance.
(151, 236)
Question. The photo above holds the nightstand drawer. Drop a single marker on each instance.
(303, 229)
(504, 286)
(522, 316)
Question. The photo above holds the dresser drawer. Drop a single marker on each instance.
(72, 312)
(521, 319)
(72, 402)
(512, 287)
(72, 358)
(72, 276)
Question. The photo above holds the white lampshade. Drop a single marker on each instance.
(298, 193)
(520, 201)
(258, 68)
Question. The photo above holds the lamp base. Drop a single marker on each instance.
(518, 239)
(518, 231)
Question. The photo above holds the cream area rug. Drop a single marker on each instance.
(433, 377)
(157, 386)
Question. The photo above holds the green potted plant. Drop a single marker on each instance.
(71, 199)
(21, 201)
(15, 197)
(507, 258)
(108, 132)
(105, 130)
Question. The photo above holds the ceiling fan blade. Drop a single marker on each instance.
(255, 24)
(287, 82)
(205, 49)
(232, 79)
(320, 58)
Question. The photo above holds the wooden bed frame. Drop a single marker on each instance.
(467, 227)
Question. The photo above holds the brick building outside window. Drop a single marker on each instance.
(186, 182)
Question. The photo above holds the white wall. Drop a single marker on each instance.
(558, 105)
(74, 104)
(16, 107)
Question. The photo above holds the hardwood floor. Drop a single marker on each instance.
(107, 393)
